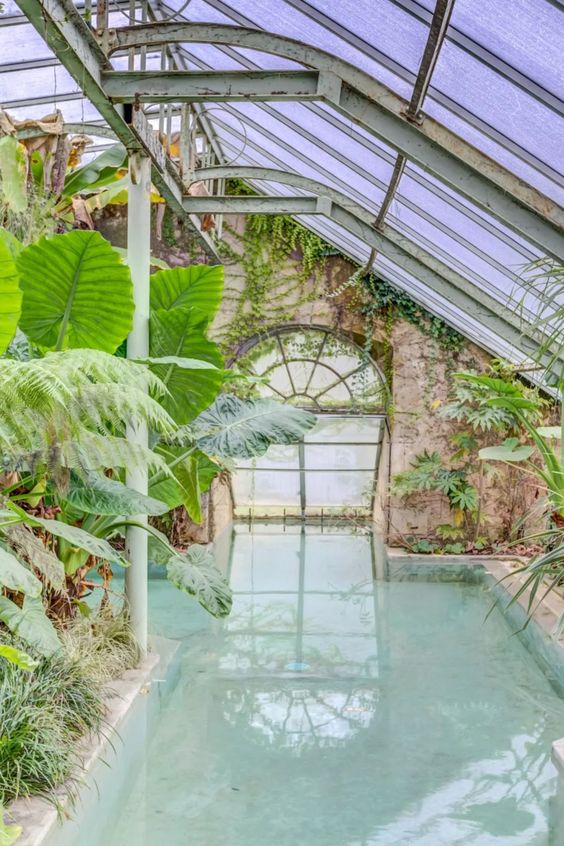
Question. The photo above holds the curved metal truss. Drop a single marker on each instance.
(90, 55)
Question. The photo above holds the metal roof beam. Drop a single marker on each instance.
(67, 34)
(206, 86)
(437, 33)
(357, 220)
(379, 110)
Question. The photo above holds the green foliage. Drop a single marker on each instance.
(76, 293)
(182, 332)
(70, 409)
(93, 493)
(42, 714)
(199, 286)
(236, 428)
(13, 172)
(18, 657)
(509, 450)
(271, 244)
(195, 573)
(429, 473)
(10, 295)
(97, 173)
(30, 623)
(102, 642)
(384, 298)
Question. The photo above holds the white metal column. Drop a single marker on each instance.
(138, 257)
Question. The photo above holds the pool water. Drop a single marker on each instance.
(332, 709)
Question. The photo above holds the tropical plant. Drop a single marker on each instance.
(62, 436)
(450, 477)
(542, 459)
(462, 476)
(42, 714)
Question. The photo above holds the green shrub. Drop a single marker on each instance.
(103, 643)
(42, 716)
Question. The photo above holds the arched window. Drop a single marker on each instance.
(334, 470)
(314, 368)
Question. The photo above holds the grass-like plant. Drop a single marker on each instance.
(42, 715)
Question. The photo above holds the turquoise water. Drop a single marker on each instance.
(334, 710)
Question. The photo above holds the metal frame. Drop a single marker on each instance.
(407, 76)
(357, 220)
(69, 37)
(363, 100)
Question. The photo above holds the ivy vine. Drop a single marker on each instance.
(275, 289)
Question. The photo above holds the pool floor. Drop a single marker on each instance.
(334, 710)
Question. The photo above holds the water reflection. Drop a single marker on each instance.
(409, 723)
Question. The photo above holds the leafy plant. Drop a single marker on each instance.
(42, 714)
(428, 472)
(76, 293)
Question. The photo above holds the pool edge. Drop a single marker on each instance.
(38, 818)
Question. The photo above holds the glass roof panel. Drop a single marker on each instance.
(500, 103)
(494, 85)
(524, 33)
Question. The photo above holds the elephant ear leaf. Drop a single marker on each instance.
(13, 174)
(199, 286)
(183, 486)
(97, 494)
(180, 333)
(30, 623)
(509, 450)
(195, 573)
(237, 428)
(15, 577)
(10, 295)
(76, 292)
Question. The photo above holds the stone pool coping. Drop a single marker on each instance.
(39, 818)
(540, 635)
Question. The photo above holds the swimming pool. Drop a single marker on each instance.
(335, 709)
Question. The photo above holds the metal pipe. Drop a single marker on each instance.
(138, 255)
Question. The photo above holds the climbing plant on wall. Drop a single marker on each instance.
(275, 286)
(284, 264)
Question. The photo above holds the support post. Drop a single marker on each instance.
(138, 256)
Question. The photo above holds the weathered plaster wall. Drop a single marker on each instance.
(422, 373)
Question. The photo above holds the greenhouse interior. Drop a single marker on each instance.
(281, 371)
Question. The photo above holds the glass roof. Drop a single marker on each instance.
(497, 84)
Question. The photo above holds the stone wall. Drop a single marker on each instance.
(422, 376)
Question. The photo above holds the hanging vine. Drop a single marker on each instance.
(284, 264)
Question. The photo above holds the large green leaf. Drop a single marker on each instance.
(30, 623)
(195, 573)
(184, 487)
(14, 576)
(97, 494)
(20, 659)
(181, 333)
(96, 173)
(13, 173)
(199, 286)
(495, 385)
(10, 296)
(29, 547)
(237, 428)
(79, 538)
(76, 292)
(509, 450)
